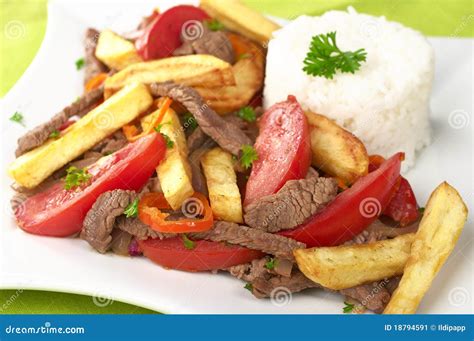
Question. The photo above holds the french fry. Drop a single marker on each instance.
(443, 220)
(115, 51)
(342, 267)
(248, 72)
(174, 172)
(224, 193)
(335, 150)
(30, 169)
(192, 70)
(239, 18)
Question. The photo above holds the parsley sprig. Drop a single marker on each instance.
(247, 114)
(169, 142)
(188, 243)
(189, 122)
(325, 58)
(18, 118)
(348, 308)
(80, 63)
(271, 263)
(76, 177)
(131, 211)
(54, 134)
(214, 25)
(249, 155)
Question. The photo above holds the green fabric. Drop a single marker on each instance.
(23, 23)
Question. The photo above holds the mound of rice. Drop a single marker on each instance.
(385, 103)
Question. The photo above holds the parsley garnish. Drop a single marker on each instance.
(270, 265)
(324, 57)
(188, 243)
(347, 308)
(249, 287)
(190, 122)
(421, 210)
(54, 134)
(249, 155)
(18, 118)
(214, 25)
(244, 56)
(76, 177)
(131, 211)
(247, 114)
(169, 142)
(159, 126)
(80, 63)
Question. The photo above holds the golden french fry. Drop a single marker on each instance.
(443, 220)
(30, 169)
(115, 51)
(224, 194)
(239, 18)
(335, 150)
(193, 70)
(341, 267)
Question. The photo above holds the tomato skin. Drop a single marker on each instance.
(59, 213)
(283, 149)
(206, 256)
(162, 36)
(403, 207)
(352, 210)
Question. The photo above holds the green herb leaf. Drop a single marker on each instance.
(249, 155)
(247, 114)
(347, 308)
(244, 56)
(214, 25)
(188, 243)
(159, 126)
(18, 118)
(131, 211)
(249, 287)
(169, 142)
(54, 134)
(421, 210)
(270, 265)
(324, 57)
(80, 63)
(76, 177)
(190, 122)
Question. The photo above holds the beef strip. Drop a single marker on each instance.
(92, 65)
(252, 238)
(292, 205)
(198, 179)
(111, 144)
(226, 134)
(374, 296)
(379, 231)
(139, 230)
(37, 136)
(216, 44)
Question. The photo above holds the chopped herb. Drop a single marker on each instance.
(214, 25)
(159, 126)
(131, 211)
(76, 177)
(244, 56)
(249, 155)
(249, 287)
(270, 265)
(169, 142)
(247, 114)
(347, 308)
(54, 134)
(188, 243)
(190, 122)
(421, 210)
(18, 118)
(107, 153)
(80, 63)
(324, 57)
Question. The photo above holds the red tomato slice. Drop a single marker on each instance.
(163, 35)
(206, 255)
(352, 210)
(59, 212)
(283, 150)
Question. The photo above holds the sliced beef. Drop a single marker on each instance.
(36, 137)
(373, 296)
(100, 220)
(93, 66)
(379, 231)
(216, 44)
(226, 134)
(292, 205)
(139, 230)
(111, 144)
(198, 179)
(252, 238)
(120, 242)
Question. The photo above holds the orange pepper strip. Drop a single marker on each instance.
(131, 132)
(151, 204)
(96, 81)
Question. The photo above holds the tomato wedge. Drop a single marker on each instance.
(163, 35)
(352, 210)
(283, 150)
(206, 256)
(150, 212)
(59, 212)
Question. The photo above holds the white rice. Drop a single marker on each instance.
(385, 103)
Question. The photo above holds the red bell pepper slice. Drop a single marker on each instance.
(352, 210)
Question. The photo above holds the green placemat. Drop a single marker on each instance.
(23, 23)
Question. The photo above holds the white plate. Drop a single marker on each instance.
(70, 265)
